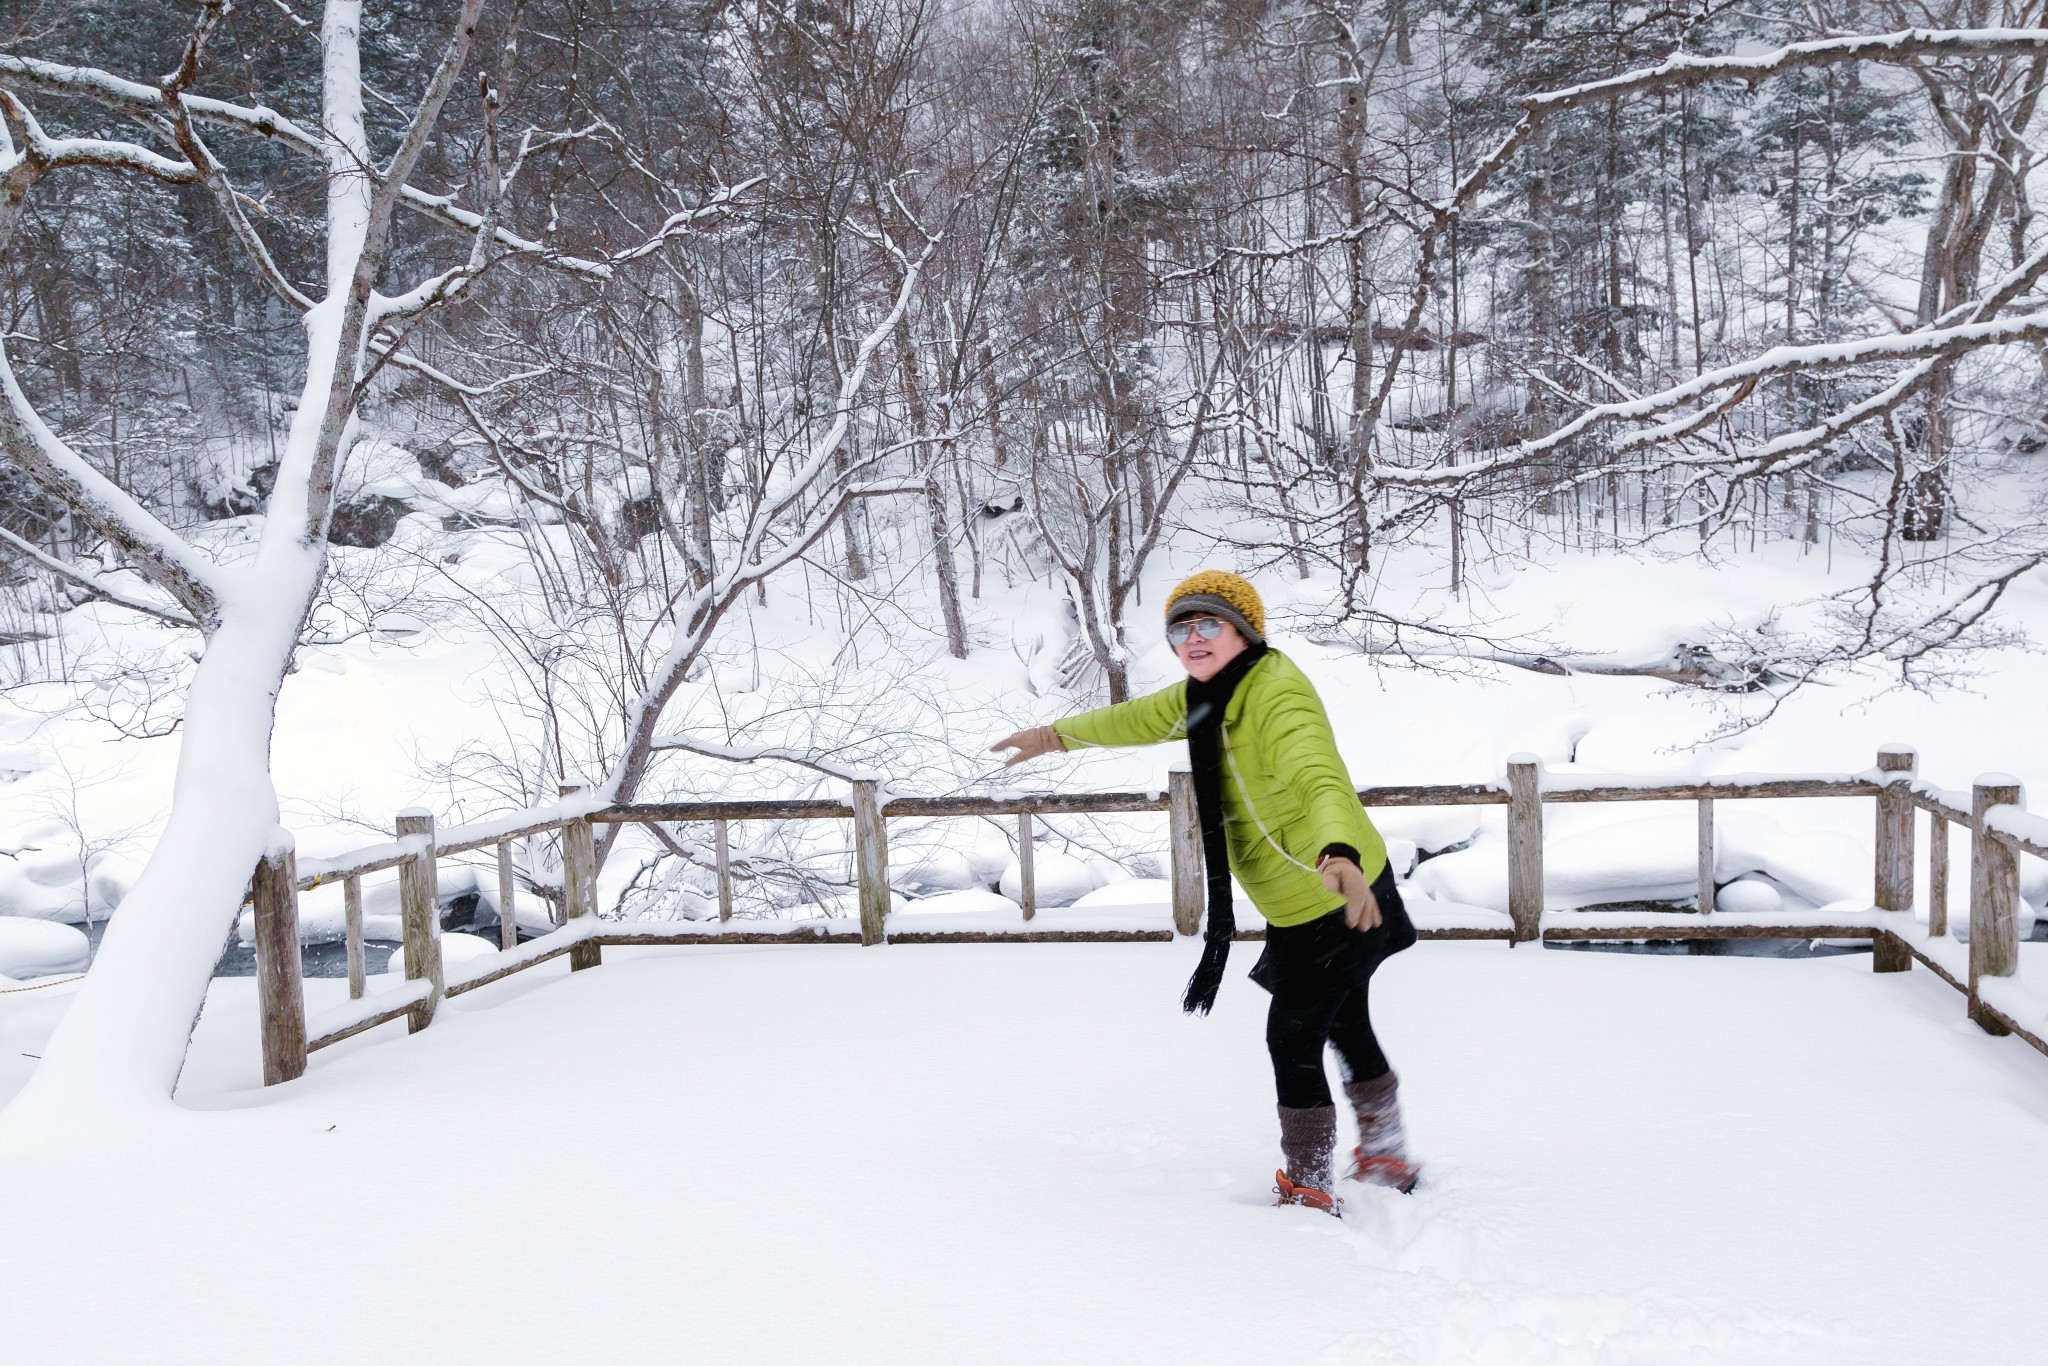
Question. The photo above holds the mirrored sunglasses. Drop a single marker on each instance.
(1208, 628)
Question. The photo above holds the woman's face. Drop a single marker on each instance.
(1202, 656)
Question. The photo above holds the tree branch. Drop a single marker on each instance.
(66, 476)
(92, 583)
(146, 102)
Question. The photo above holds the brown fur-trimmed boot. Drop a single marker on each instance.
(1381, 1157)
(1308, 1135)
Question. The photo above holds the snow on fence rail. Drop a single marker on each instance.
(1984, 971)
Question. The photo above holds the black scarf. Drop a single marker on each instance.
(1206, 705)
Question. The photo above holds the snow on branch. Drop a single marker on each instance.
(1903, 47)
(92, 583)
(147, 102)
(211, 173)
(1897, 49)
(135, 98)
(744, 754)
(105, 506)
(1792, 450)
(30, 148)
(398, 171)
(444, 210)
(824, 453)
(684, 222)
(487, 232)
(1931, 344)
(749, 565)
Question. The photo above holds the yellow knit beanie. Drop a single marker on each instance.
(1224, 594)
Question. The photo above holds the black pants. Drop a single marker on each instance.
(1320, 975)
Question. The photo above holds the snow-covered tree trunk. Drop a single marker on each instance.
(122, 1043)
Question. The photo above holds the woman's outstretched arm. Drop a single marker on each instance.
(1143, 720)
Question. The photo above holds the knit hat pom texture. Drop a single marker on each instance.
(1221, 583)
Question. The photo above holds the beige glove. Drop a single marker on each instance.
(1342, 876)
(1029, 744)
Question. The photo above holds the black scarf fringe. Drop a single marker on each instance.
(1206, 705)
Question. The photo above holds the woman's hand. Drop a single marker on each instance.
(1029, 744)
(1343, 877)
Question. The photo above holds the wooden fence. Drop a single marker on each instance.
(1999, 827)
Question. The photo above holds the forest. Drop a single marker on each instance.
(577, 329)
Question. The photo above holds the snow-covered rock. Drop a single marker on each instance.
(379, 469)
(456, 947)
(1106, 873)
(41, 879)
(846, 906)
(532, 914)
(39, 948)
(1429, 827)
(971, 901)
(322, 916)
(17, 762)
(933, 870)
(1057, 879)
(1656, 858)
(1131, 894)
(989, 856)
(1749, 896)
(485, 500)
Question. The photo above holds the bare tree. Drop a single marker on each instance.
(123, 1040)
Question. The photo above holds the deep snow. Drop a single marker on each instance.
(996, 1153)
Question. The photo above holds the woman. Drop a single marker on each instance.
(1277, 810)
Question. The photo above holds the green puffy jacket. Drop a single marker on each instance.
(1286, 796)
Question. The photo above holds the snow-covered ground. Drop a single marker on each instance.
(1025, 1153)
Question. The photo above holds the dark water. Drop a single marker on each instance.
(315, 960)
(1711, 948)
(2037, 931)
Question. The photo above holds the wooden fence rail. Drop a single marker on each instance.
(1999, 827)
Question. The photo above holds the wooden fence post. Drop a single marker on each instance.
(280, 987)
(1190, 889)
(579, 884)
(1894, 872)
(352, 932)
(870, 860)
(1525, 845)
(1027, 873)
(419, 911)
(1888, 953)
(1706, 853)
(1994, 894)
(721, 842)
(1937, 874)
(508, 903)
